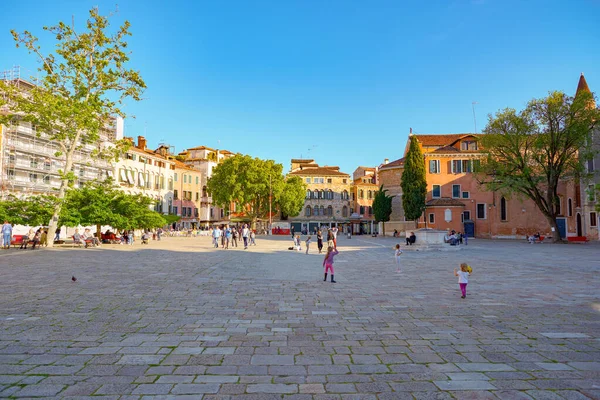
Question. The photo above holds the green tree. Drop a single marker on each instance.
(531, 151)
(414, 183)
(249, 182)
(133, 212)
(291, 198)
(382, 206)
(81, 89)
(34, 210)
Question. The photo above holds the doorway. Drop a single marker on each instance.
(579, 230)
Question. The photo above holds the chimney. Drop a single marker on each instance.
(141, 143)
(410, 131)
(386, 161)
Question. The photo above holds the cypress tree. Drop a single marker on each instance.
(414, 184)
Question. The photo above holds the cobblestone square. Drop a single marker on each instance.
(180, 319)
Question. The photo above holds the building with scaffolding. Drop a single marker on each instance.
(30, 162)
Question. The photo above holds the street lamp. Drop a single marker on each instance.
(270, 200)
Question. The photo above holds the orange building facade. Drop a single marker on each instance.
(456, 200)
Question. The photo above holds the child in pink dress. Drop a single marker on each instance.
(328, 262)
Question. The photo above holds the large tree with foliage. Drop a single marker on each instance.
(33, 211)
(80, 90)
(414, 182)
(382, 206)
(529, 152)
(250, 181)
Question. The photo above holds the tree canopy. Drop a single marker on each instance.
(81, 88)
(530, 151)
(414, 182)
(382, 206)
(249, 182)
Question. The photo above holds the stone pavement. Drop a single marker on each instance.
(179, 319)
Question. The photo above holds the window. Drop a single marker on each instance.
(370, 210)
(457, 166)
(455, 191)
(480, 211)
(434, 166)
(466, 215)
(197, 196)
(345, 195)
(593, 219)
(344, 180)
(330, 211)
(344, 211)
(175, 177)
(184, 177)
(330, 193)
(142, 160)
(11, 174)
(436, 191)
(570, 207)
(222, 213)
(33, 178)
(316, 194)
(307, 211)
(81, 171)
(369, 194)
(466, 166)
(307, 180)
(183, 211)
(316, 210)
(47, 165)
(432, 218)
(308, 193)
(592, 192)
(362, 210)
(211, 212)
(195, 212)
(503, 215)
(175, 211)
(47, 179)
(175, 194)
(322, 194)
(468, 145)
(322, 210)
(328, 180)
(465, 195)
(559, 205)
(197, 180)
(476, 165)
(130, 156)
(361, 194)
(33, 163)
(315, 180)
(590, 165)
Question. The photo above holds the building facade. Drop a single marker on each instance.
(364, 188)
(187, 190)
(205, 159)
(29, 164)
(328, 197)
(587, 199)
(390, 176)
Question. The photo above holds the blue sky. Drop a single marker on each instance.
(340, 81)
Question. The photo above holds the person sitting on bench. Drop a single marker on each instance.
(145, 237)
(411, 239)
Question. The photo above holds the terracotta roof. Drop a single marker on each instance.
(367, 168)
(201, 148)
(445, 139)
(582, 86)
(179, 164)
(396, 163)
(318, 171)
(444, 202)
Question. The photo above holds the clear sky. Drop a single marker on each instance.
(340, 81)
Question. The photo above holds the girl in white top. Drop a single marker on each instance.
(397, 257)
(463, 278)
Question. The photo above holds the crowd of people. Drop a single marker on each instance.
(229, 235)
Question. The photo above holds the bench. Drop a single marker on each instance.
(577, 239)
(17, 240)
(87, 242)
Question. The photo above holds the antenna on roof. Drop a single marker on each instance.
(474, 119)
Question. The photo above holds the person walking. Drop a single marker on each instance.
(308, 243)
(297, 243)
(320, 241)
(216, 233)
(6, 234)
(245, 234)
(252, 238)
(227, 237)
(159, 232)
(234, 237)
(57, 235)
(328, 263)
(463, 278)
(330, 238)
(397, 257)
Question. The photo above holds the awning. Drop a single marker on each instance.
(130, 177)
(142, 182)
(123, 175)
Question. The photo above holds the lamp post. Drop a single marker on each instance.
(270, 201)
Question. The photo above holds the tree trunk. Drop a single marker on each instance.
(64, 183)
(99, 232)
(383, 227)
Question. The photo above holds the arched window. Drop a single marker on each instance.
(308, 194)
(345, 195)
(344, 211)
(316, 194)
(330, 193)
(369, 194)
(307, 213)
(503, 213)
(362, 210)
(330, 211)
(361, 194)
(316, 210)
(322, 210)
(370, 210)
(322, 194)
